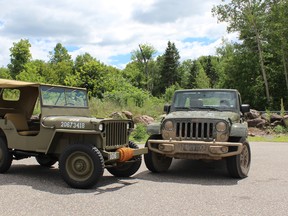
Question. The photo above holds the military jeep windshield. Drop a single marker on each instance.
(218, 100)
(59, 96)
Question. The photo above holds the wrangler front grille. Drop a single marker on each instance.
(116, 133)
(195, 130)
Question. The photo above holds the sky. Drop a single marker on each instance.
(110, 30)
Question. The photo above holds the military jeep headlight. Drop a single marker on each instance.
(129, 126)
(221, 126)
(168, 125)
(101, 127)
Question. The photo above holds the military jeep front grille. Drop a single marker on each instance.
(116, 133)
(194, 130)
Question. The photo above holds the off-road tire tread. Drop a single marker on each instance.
(7, 157)
(97, 158)
(131, 167)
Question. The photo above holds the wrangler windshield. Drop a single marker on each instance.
(63, 97)
(213, 100)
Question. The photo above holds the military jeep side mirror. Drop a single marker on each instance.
(167, 108)
(245, 108)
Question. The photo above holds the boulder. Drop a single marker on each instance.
(266, 117)
(258, 122)
(285, 120)
(275, 117)
(117, 115)
(144, 119)
(276, 123)
(253, 114)
(128, 114)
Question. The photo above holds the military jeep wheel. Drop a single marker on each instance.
(127, 169)
(45, 160)
(156, 162)
(238, 166)
(5, 157)
(81, 166)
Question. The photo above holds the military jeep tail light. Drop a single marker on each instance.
(221, 126)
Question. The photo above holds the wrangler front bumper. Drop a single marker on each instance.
(211, 149)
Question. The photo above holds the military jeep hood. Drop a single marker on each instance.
(75, 122)
(70, 122)
(208, 114)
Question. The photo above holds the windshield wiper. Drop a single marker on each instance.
(212, 108)
(190, 108)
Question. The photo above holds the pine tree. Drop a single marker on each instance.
(169, 71)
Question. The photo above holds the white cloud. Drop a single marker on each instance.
(109, 28)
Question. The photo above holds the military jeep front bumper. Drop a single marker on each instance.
(212, 149)
(114, 156)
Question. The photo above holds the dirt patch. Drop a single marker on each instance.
(253, 131)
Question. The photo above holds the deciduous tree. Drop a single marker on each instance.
(20, 55)
(248, 18)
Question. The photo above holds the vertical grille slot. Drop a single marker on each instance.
(194, 130)
(116, 133)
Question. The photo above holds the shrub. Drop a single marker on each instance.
(139, 133)
(280, 129)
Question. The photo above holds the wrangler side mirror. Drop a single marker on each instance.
(167, 108)
(245, 108)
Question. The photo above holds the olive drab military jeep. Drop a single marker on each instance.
(65, 132)
(201, 125)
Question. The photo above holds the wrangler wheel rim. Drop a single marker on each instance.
(244, 159)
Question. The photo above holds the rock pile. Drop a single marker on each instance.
(256, 119)
(142, 119)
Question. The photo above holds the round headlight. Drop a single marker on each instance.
(168, 125)
(221, 126)
(101, 127)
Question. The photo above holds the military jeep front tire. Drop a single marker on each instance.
(128, 168)
(6, 157)
(154, 161)
(81, 166)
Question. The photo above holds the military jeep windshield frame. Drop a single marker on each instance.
(203, 99)
(63, 97)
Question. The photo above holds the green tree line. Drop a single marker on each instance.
(256, 64)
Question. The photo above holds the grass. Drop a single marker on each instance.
(152, 107)
(269, 138)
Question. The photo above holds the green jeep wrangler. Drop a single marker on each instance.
(201, 124)
(65, 132)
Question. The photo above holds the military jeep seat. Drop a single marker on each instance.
(20, 123)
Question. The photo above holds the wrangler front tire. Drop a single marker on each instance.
(238, 166)
(156, 162)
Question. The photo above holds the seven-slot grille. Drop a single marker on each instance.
(116, 133)
(195, 130)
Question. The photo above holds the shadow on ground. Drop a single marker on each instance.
(181, 172)
(49, 180)
(192, 172)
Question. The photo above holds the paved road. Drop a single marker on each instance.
(190, 188)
